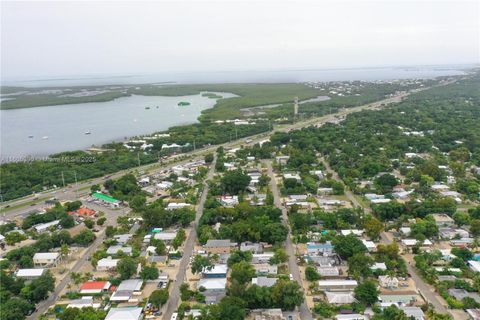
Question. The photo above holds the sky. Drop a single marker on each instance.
(43, 39)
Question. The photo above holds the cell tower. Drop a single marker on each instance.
(295, 108)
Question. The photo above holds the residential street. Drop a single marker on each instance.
(425, 290)
(43, 306)
(292, 260)
(173, 301)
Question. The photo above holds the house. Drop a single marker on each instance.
(85, 212)
(273, 314)
(355, 232)
(107, 264)
(378, 201)
(412, 242)
(251, 246)
(85, 302)
(378, 266)
(122, 238)
(282, 160)
(125, 313)
(114, 250)
(29, 274)
(474, 314)
(337, 285)
(474, 265)
(369, 244)
(94, 287)
(324, 191)
(219, 246)
(351, 316)
(450, 233)
(442, 220)
(438, 187)
(177, 205)
(261, 258)
(328, 271)
(159, 261)
(413, 313)
(166, 236)
(462, 242)
(406, 231)
(265, 269)
(460, 294)
(397, 297)
(164, 185)
(127, 289)
(46, 259)
(388, 282)
(217, 271)
(294, 176)
(264, 281)
(342, 297)
(215, 285)
(320, 248)
(42, 227)
(228, 201)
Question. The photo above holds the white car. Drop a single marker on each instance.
(291, 277)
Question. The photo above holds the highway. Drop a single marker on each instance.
(173, 301)
(305, 313)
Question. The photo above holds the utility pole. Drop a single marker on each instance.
(194, 147)
(138, 158)
(76, 184)
(236, 134)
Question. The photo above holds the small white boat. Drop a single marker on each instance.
(88, 132)
(45, 137)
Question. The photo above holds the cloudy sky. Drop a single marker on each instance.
(87, 37)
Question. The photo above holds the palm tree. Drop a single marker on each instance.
(64, 251)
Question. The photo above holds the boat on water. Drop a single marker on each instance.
(45, 137)
(183, 103)
(147, 108)
(88, 132)
(30, 136)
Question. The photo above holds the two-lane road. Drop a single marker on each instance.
(292, 260)
(173, 301)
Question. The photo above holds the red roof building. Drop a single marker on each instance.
(95, 287)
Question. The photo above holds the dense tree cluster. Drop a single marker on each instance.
(243, 223)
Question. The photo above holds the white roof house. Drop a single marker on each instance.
(379, 266)
(337, 284)
(352, 316)
(107, 264)
(340, 297)
(83, 303)
(126, 313)
(474, 265)
(165, 236)
(388, 281)
(213, 284)
(29, 273)
(113, 250)
(369, 244)
(45, 259)
(175, 205)
(127, 289)
(42, 227)
(355, 232)
(264, 281)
